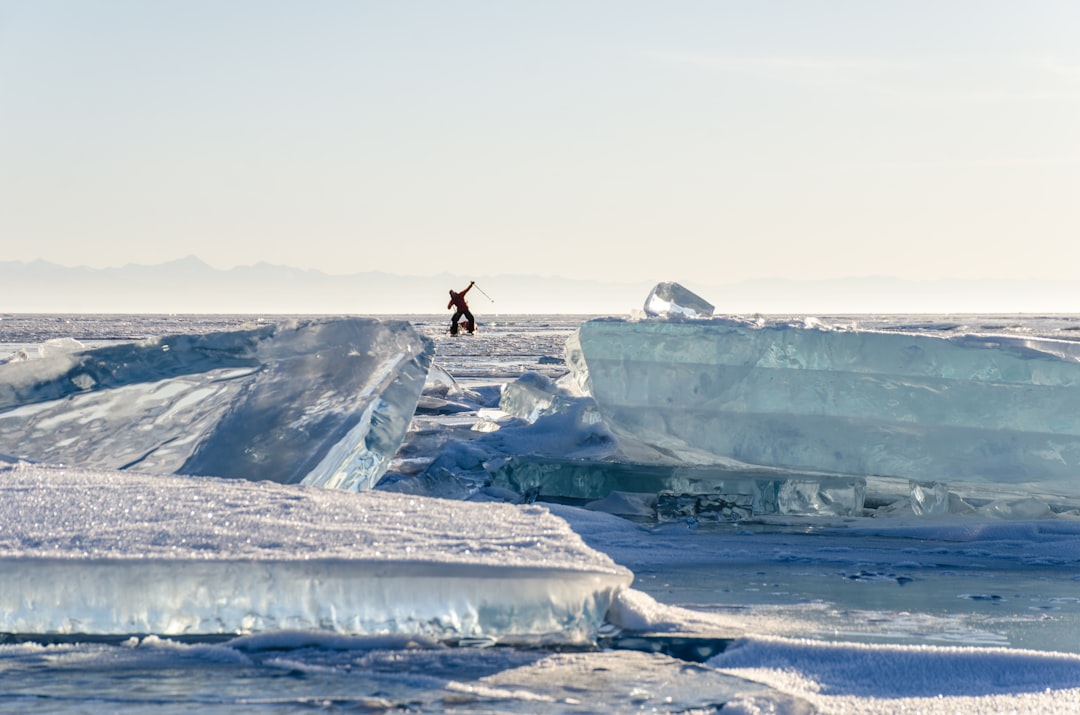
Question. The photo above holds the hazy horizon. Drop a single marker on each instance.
(190, 285)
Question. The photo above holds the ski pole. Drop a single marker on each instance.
(483, 293)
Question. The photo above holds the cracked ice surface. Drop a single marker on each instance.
(324, 402)
(97, 552)
(1000, 410)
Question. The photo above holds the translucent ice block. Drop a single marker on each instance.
(987, 409)
(325, 402)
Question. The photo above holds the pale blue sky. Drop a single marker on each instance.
(693, 141)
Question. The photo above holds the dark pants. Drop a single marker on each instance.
(471, 322)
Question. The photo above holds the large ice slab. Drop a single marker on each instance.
(979, 408)
(324, 402)
(118, 553)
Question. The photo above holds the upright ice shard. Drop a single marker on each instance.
(323, 402)
(976, 408)
(672, 299)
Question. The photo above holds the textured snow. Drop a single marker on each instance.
(848, 677)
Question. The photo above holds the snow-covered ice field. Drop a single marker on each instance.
(949, 613)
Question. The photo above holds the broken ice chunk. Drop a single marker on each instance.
(532, 396)
(672, 506)
(821, 497)
(1019, 509)
(667, 299)
(929, 498)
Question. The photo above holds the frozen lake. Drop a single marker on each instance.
(1009, 590)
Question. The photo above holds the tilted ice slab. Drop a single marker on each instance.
(324, 402)
(126, 553)
(979, 408)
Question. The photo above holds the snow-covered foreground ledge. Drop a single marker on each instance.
(116, 553)
(864, 678)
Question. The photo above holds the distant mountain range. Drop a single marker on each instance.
(189, 285)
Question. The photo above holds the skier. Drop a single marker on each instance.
(457, 301)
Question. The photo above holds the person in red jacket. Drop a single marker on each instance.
(457, 301)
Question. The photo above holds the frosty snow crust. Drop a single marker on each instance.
(52, 512)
